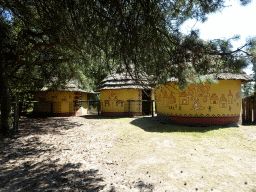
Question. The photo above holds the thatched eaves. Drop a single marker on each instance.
(231, 76)
(72, 86)
(126, 79)
(222, 76)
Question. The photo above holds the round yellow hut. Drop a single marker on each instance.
(61, 102)
(124, 93)
(202, 104)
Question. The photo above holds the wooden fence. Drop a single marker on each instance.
(14, 116)
(248, 113)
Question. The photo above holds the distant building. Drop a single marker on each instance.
(61, 102)
(126, 93)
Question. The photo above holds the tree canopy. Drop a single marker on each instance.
(146, 33)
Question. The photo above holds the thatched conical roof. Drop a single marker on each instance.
(72, 86)
(126, 78)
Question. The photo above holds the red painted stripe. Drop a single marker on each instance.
(201, 121)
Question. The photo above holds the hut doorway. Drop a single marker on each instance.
(146, 102)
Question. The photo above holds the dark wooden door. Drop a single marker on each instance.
(146, 104)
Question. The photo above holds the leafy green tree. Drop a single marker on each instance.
(7, 49)
(145, 33)
(248, 89)
(251, 53)
(29, 61)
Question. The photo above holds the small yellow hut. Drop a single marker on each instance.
(124, 93)
(61, 102)
(202, 104)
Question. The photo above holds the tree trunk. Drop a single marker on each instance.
(5, 107)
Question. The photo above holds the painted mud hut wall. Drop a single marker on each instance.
(126, 92)
(202, 104)
(60, 103)
(124, 102)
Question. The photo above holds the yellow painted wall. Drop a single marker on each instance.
(207, 100)
(115, 100)
(62, 102)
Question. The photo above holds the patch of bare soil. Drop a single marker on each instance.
(79, 154)
(63, 154)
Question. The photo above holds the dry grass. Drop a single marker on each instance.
(127, 154)
(202, 158)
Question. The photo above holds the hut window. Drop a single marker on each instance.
(106, 103)
(64, 99)
(119, 102)
(183, 100)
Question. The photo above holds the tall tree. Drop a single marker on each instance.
(7, 49)
(126, 31)
(30, 60)
(248, 89)
(251, 52)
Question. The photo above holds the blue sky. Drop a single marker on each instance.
(232, 20)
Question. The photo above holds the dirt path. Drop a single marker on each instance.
(78, 154)
(63, 154)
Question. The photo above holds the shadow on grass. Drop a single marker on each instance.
(49, 176)
(150, 124)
